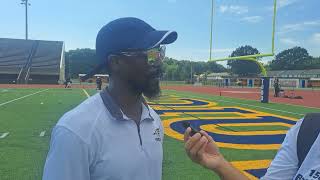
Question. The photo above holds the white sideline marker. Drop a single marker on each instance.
(86, 93)
(4, 135)
(42, 133)
(2, 104)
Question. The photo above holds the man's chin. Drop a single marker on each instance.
(152, 95)
(152, 91)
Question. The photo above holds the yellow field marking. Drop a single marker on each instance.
(214, 128)
(237, 114)
(244, 116)
(252, 164)
(166, 108)
(259, 113)
(174, 134)
(251, 177)
(179, 136)
(187, 103)
(86, 93)
(254, 114)
(249, 165)
(259, 124)
(179, 101)
(249, 146)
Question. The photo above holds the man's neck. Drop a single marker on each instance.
(130, 102)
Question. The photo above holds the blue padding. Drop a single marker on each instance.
(257, 172)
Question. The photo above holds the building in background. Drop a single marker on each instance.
(297, 78)
(287, 79)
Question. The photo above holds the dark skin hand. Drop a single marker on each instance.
(202, 149)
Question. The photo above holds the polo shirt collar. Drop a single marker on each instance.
(115, 110)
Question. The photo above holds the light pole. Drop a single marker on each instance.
(191, 74)
(26, 3)
(211, 27)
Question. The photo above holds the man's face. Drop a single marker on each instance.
(142, 76)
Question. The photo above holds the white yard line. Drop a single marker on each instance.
(4, 135)
(2, 104)
(42, 133)
(86, 93)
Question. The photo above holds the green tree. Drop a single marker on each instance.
(213, 67)
(83, 60)
(80, 61)
(171, 72)
(242, 67)
(291, 59)
(314, 63)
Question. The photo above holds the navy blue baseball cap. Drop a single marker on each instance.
(127, 34)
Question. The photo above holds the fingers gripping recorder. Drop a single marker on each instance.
(194, 130)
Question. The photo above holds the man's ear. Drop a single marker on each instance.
(113, 63)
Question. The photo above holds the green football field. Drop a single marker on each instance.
(28, 115)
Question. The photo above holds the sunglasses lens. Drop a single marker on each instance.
(162, 52)
(156, 54)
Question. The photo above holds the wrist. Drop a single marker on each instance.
(221, 165)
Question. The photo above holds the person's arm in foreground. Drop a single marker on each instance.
(285, 164)
(68, 157)
(204, 151)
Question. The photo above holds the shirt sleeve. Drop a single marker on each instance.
(68, 157)
(285, 164)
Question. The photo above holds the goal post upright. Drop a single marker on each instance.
(253, 57)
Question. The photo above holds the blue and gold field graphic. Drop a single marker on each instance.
(231, 127)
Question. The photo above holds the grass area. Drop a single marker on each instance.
(9, 94)
(23, 151)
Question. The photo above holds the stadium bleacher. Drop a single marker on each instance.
(31, 61)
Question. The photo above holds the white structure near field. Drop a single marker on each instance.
(287, 79)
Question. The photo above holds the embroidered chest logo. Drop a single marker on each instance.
(157, 134)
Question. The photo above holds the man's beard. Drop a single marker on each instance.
(150, 88)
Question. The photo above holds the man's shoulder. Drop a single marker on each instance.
(82, 119)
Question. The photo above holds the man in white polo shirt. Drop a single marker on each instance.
(115, 135)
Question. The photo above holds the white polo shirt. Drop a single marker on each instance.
(96, 141)
(285, 164)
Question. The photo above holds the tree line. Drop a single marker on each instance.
(81, 61)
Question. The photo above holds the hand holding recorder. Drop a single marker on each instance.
(202, 149)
